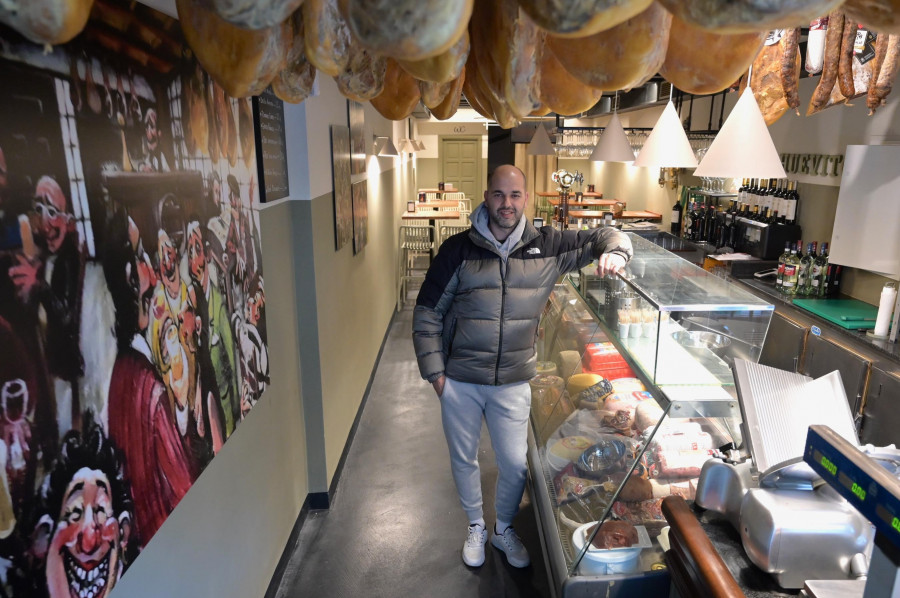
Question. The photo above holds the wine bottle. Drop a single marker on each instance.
(676, 217)
(782, 259)
(792, 201)
(791, 268)
(806, 261)
(817, 279)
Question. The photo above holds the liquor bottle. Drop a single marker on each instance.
(779, 277)
(806, 262)
(676, 217)
(819, 267)
(792, 200)
(791, 272)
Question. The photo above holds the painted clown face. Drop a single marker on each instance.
(84, 559)
(50, 204)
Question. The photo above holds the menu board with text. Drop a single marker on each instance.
(268, 112)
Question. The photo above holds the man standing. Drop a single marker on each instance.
(474, 328)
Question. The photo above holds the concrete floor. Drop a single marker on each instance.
(395, 527)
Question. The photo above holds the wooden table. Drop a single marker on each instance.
(593, 194)
(430, 216)
(436, 204)
(554, 201)
(639, 214)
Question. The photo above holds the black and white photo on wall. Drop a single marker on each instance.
(360, 216)
(132, 306)
(356, 116)
(340, 174)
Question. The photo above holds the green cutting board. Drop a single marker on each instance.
(847, 313)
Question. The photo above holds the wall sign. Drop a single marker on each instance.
(268, 113)
(813, 164)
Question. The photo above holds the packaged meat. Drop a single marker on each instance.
(639, 513)
(620, 422)
(569, 487)
(681, 436)
(815, 45)
(628, 385)
(678, 464)
(627, 401)
(647, 413)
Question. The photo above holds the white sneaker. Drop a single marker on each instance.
(512, 546)
(473, 549)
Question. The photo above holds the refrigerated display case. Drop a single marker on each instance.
(634, 391)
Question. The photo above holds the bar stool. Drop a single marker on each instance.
(415, 241)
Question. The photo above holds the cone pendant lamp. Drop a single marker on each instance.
(667, 146)
(743, 146)
(613, 145)
(540, 144)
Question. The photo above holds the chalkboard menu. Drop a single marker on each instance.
(271, 162)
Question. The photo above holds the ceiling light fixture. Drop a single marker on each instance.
(613, 145)
(540, 144)
(384, 147)
(667, 146)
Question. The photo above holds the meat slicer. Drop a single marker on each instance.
(791, 524)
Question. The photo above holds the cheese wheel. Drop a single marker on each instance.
(363, 77)
(254, 14)
(702, 61)
(46, 21)
(400, 94)
(242, 61)
(295, 81)
(749, 16)
(407, 29)
(450, 104)
(580, 382)
(881, 15)
(561, 92)
(444, 67)
(507, 45)
(579, 18)
(620, 58)
(326, 36)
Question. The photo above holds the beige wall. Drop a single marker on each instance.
(225, 537)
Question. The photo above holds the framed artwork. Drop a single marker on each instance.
(357, 118)
(360, 216)
(410, 206)
(340, 176)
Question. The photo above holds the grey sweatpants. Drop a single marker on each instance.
(506, 409)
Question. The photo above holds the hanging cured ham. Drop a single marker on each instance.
(245, 130)
(295, 81)
(881, 15)
(363, 77)
(561, 92)
(450, 103)
(579, 18)
(407, 29)
(620, 58)
(242, 61)
(254, 14)
(326, 36)
(400, 94)
(46, 21)
(444, 67)
(749, 16)
(193, 104)
(702, 61)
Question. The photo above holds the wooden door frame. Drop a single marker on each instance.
(480, 143)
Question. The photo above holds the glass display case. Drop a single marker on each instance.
(634, 392)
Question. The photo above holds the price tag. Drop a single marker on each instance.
(864, 46)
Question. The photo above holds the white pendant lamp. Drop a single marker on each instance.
(420, 146)
(613, 145)
(540, 144)
(667, 146)
(384, 147)
(407, 147)
(743, 146)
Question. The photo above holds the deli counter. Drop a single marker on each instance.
(634, 392)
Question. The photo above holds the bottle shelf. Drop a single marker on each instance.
(715, 194)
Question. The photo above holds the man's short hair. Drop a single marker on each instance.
(492, 172)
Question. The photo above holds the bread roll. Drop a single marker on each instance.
(880, 15)
(254, 14)
(702, 61)
(407, 29)
(619, 58)
(295, 81)
(579, 18)
(46, 21)
(442, 68)
(326, 36)
(363, 77)
(242, 61)
(400, 94)
(507, 45)
(561, 92)
(749, 16)
(450, 104)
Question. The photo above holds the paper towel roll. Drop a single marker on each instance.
(885, 307)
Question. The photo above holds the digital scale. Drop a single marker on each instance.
(875, 493)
